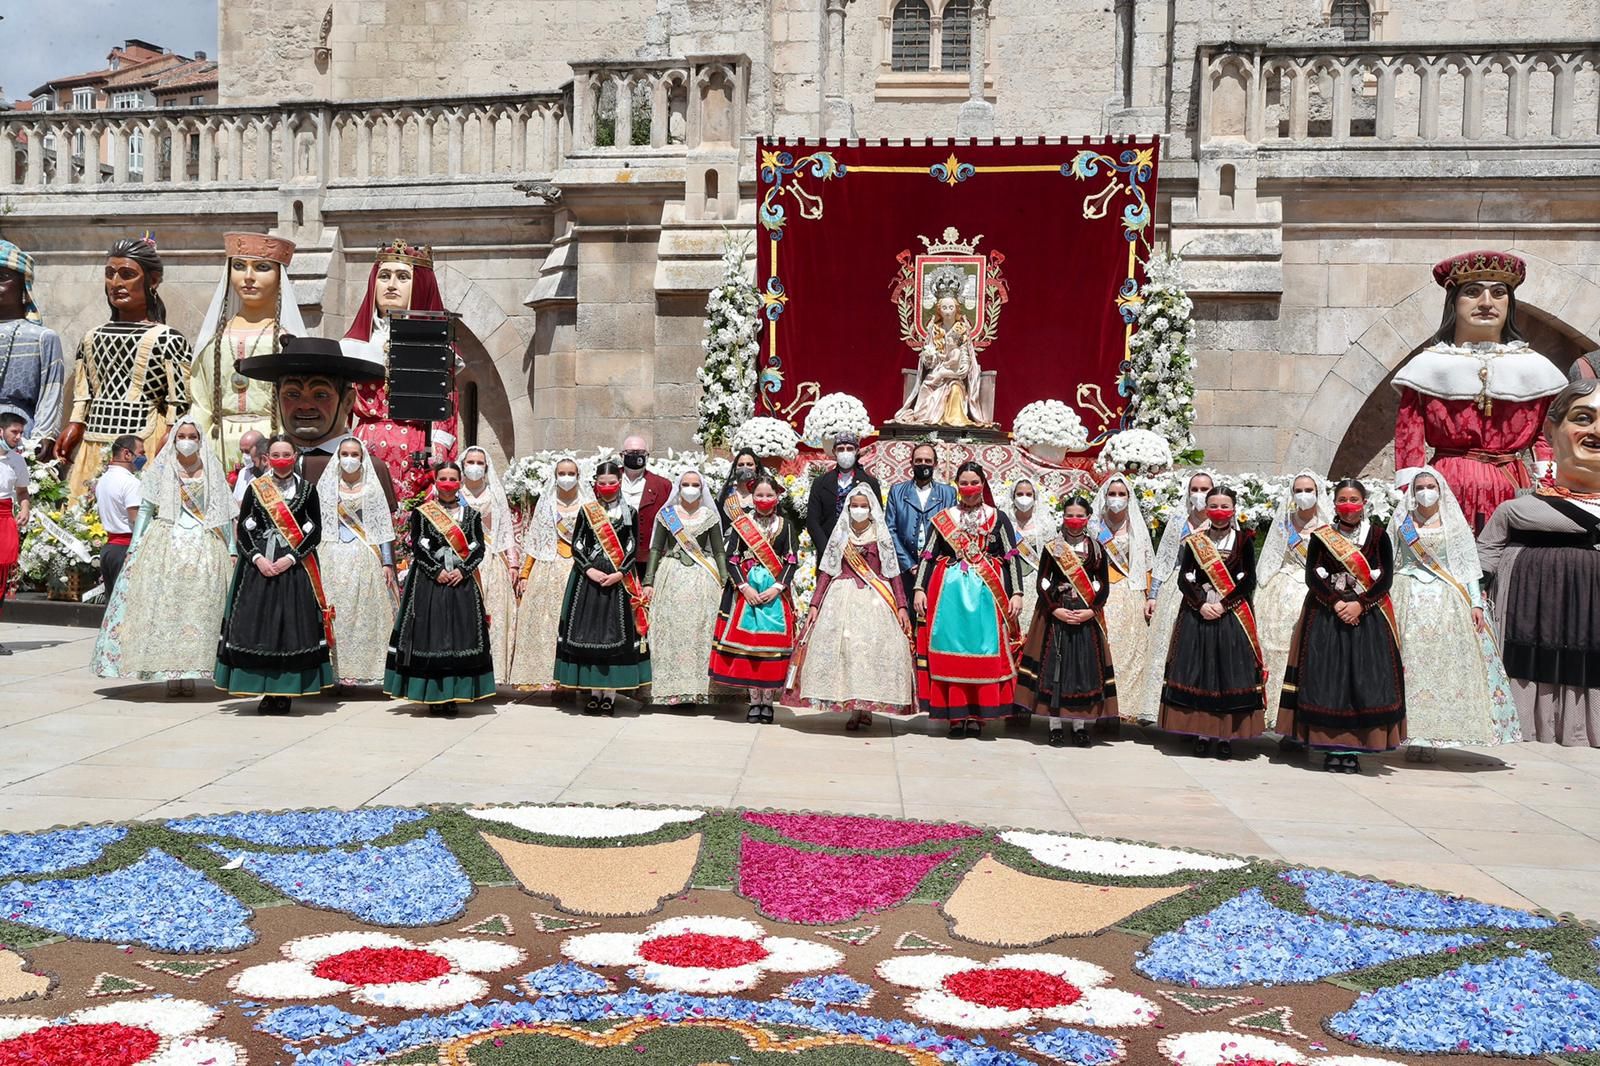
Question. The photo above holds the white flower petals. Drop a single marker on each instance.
(924, 971)
(326, 946)
(294, 976)
(287, 979)
(170, 1018)
(778, 954)
(1083, 855)
(586, 823)
(446, 990)
(604, 949)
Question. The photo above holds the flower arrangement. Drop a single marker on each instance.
(728, 375)
(833, 414)
(770, 438)
(531, 476)
(1135, 451)
(1050, 423)
(1162, 368)
(1259, 495)
(46, 489)
(62, 544)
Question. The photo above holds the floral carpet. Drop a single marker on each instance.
(597, 936)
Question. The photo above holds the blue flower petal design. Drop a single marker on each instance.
(301, 829)
(1409, 908)
(1512, 1006)
(1074, 1047)
(564, 978)
(829, 990)
(415, 883)
(1248, 941)
(323, 1022)
(158, 902)
(45, 853)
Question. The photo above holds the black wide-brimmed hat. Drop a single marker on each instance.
(301, 356)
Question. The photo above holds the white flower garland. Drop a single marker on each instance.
(1084, 855)
(1134, 451)
(1162, 368)
(833, 414)
(728, 375)
(585, 823)
(1051, 423)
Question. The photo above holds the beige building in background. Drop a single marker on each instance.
(576, 165)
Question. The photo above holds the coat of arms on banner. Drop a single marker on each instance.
(950, 267)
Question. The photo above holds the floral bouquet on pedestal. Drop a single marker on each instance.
(833, 414)
(1134, 451)
(1162, 367)
(61, 551)
(728, 375)
(1050, 429)
(769, 438)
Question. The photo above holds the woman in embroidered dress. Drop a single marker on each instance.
(1065, 671)
(276, 628)
(1458, 693)
(358, 564)
(482, 491)
(968, 599)
(756, 622)
(683, 586)
(855, 651)
(1034, 525)
(1281, 574)
(182, 543)
(1213, 683)
(1163, 598)
(738, 493)
(439, 651)
(1344, 689)
(1119, 528)
(600, 648)
(542, 583)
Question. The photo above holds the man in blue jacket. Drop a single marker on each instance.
(912, 505)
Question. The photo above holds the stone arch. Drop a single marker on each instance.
(1557, 303)
(493, 345)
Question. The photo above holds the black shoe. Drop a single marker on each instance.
(754, 714)
(1332, 763)
(974, 728)
(1202, 746)
(1080, 738)
(1350, 764)
(1058, 738)
(957, 730)
(768, 712)
(592, 705)
(608, 706)
(1224, 750)
(1287, 745)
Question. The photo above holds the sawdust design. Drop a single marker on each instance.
(1001, 907)
(601, 882)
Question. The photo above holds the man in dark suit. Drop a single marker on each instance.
(644, 492)
(829, 491)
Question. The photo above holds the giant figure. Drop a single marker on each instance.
(32, 369)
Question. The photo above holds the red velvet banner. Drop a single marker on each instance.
(1040, 245)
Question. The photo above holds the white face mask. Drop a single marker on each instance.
(1197, 501)
(349, 463)
(689, 493)
(475, 471)
(1305, 501)
(186, 446)
(1427, 497)
(1024, 503)
(566, 482)
(860, 514)
(1116, 504)
(846, 460)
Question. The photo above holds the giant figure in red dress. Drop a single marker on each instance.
(402, 278)
(1476, 396)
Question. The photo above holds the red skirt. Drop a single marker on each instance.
(10, 541)
(746, 656)
(951, 683)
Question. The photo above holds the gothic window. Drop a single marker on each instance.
(955, 52)
(1354, 17)
(912, 36)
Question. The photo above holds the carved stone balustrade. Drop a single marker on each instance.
(668, 105)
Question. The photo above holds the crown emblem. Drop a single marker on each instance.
(416, 254)
(1481, 265)
(950, 243)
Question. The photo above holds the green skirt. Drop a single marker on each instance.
(606, 677)
(415, 688)
(238, 681)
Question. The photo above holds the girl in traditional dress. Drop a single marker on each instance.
(1213, 681)
(542, 582)
(1119, 528)
(279, 624)
(482, 491)
(1034, 525)
(600, 647)
(439, 651)
(1344, 690)
(1458, 694)
(358, 564)
(968, 599)
(1281, 574)
(738, 494)
(683, 586)
(1066, 671)
(756, 622)
(1163, 598)
(855, 654)
(162, 620)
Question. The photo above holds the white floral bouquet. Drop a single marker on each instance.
(531, 476)
(833, 414)
(1160, 495)
(1161, 365)
(62, 542)
(1050, 423)
(728, 375)
(1134, 451)
(769, 438)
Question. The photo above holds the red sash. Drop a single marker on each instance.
(1352, 560)
(452, 533)
(971, 554)
(1072, 568)
(1216, 570)
(858, 563)
(272, 501)
(758, 544)
(606, 534)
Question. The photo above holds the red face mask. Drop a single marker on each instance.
(446, 485)
(765, 505)
(282, 466)
(971, 496)
(1219, 516)
(1350, 510)
(1075, 525)
(607, 492)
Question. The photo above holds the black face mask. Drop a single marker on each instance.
(634, 460)
(747, 474)
(923, 473)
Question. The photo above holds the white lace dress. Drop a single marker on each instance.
(1126, 630)
(683, 616)
(533, 648)
(499, 588)
(1031, 540)
(353, 578)
(1278, 603)
(857, 657)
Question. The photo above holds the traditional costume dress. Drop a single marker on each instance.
(32, 366)
(1540, 553)
(1066, 668)
(688, 569)
(1344, 688)
(546, 564)
(854, 654)
(601, 645)
(966, 664)
(130, 377)
(1033, 530)
(753, 642)
(1281, 582)
(1457, 692)
(1164, 590)
(501, 564)
(439, 649)
(276, 630)
(354, 557)
(1213, 683)
(163, 616)
(1129, 556)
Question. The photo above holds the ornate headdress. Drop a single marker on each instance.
(946, 281)
(1481, 265)
(278, 250)
(416, 254)
(14, 258)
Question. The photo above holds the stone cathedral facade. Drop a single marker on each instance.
(577, 165)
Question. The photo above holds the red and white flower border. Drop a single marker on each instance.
(1218, 1048)
(735, 954)
(175, 1024)
(458, 960)
(1077, 987)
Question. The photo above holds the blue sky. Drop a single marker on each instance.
(41, 39)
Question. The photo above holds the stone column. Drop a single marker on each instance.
(838, 119)
(976, 118)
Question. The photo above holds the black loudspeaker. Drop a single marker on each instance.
(422, 365)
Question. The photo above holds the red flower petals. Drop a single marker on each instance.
(803, 886)
(872, 834)
(107, 1044)
(1012, 989)
(703, 950)
(382, 966)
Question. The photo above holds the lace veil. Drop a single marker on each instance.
(832, 562)
(160, 481)
(1141, 553)
(1277, 543)
(375, 514)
